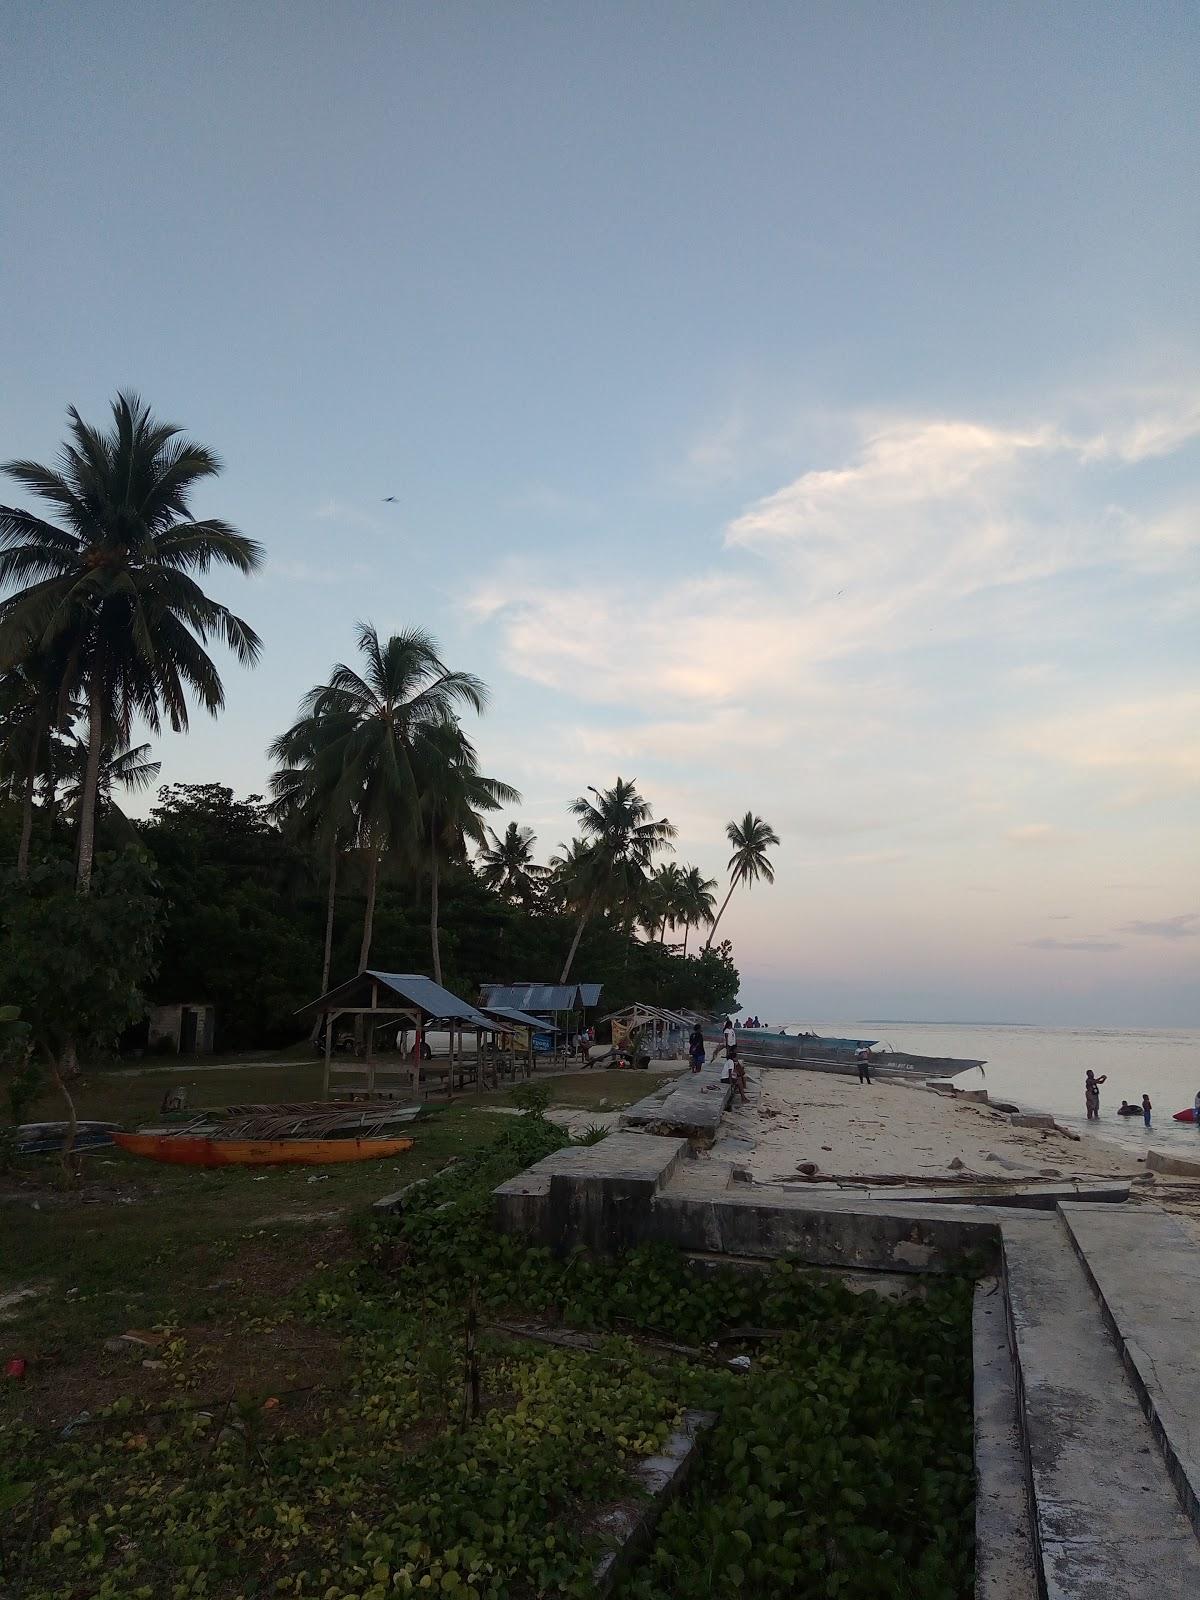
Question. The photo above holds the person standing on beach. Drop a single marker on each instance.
(1146, 1109)
(1091, 1094)
(696, 1047)
(862, 1060)
(729, 1036)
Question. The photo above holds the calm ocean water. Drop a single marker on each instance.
(1042, 1069)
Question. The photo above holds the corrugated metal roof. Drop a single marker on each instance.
(437, 1004)
(521, 1018)
(435, 1001)
(532, 996)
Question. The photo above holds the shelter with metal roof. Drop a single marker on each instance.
(544, 999)
(401, 1001)
(650, 1030)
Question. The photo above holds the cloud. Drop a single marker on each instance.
(543, 500)
(332, 510)
(1035, 833)
(1184, 926)
(312, 572)
(1147, 744)
(1071, 944)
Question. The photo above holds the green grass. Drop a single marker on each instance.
(142, 1240)
(588, 1089)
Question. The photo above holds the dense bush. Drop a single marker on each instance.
(839, 1469)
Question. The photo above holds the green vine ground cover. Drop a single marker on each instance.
(840, 1466)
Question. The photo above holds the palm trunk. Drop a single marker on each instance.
(327, 959)
(587, 911)
(433, 912)
(721, 913)
(687, 928)
(369, 914)
(91, 781)
(27, 805)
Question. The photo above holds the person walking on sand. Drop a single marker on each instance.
(862, 1060)
(1147, 1108)
(1091, 1094)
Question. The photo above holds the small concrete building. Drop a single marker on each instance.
(189, 1027)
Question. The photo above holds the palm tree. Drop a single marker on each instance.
(453, 793)
(621, 838)
(507, 864)
(111, 590)
(362, 731)
(662, 897)
(27, 715)
(311, 806)
(751, 838)
(122, 767)
(696, 901)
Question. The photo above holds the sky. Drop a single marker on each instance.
(795, 408)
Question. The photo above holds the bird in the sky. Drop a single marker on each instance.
(389, 499)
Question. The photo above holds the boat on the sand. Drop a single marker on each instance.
(198, 1150)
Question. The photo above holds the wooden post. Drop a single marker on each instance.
(329, 1019)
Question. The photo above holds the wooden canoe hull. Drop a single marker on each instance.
(200, 1152)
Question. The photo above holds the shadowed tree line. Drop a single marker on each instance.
(374, 844)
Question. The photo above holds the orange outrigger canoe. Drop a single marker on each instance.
(184, 1151)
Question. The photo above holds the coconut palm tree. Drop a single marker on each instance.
(506, 864)
(28, 696)
(121, 766)
(751, 838)
(622, 838)
(662, 900)
(453, 793)
(308, 807)
(362, 731)
(696, 901)
(109, 588)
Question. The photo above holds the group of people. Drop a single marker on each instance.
(733, 1072)
(1091, 1100)
(753, 1022)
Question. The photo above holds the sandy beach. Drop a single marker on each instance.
(896, 1129)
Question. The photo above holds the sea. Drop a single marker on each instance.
(1042, 1069)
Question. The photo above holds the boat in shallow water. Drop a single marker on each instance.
(190, 1150)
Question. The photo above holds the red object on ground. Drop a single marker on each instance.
(15, 1368)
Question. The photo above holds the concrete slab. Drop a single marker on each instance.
(1107, 1523)
(692, 1105)
(1004, 1555)
(1174, 1166)
(593, 1195)
(1146, 1272)
(1032, 1196)
(626, 1529)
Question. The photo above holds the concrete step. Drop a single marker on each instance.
(1146, 1271)
(1004, 1557)
(1107, 1521)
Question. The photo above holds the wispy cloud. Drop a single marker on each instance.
(354, 516)
(1147, 746)
(1071, 944)
(1184, 926)
(315, 572)
(544, 500)
(1035, 833)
